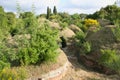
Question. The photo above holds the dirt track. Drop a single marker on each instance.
(77, 71)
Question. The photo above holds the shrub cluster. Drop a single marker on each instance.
(25, 41)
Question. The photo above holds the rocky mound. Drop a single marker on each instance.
(67, 33)
(74, 28)
(102, 39)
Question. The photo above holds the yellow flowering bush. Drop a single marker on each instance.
(91, 22)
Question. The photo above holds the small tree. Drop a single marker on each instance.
(55, 10)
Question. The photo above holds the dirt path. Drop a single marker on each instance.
(77, 71)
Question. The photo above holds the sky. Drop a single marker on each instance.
(69, 6)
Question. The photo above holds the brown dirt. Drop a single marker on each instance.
(77, 71)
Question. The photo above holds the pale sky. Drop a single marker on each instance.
(70, 6)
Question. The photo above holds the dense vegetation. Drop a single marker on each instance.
(101, 42)
(24, 41)
(111, 13)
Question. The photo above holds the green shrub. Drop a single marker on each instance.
(116, 33)
(108, 56)
(3, 65)
(111, 59)
(81, 37)
(86, 47)
(11, 20)
(41, 47)
(63, 25)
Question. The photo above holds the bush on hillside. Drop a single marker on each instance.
(80, 36)
(11, 20)
(110, 58)
(40, 47)
(86, 47)
(63, 25)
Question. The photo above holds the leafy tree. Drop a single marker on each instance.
(110, 12)
(102, 13)
(11, 20)
(29, 19)
(76, 20)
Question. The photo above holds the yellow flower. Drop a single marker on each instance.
(91, 22)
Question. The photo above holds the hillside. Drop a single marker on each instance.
(59, 45)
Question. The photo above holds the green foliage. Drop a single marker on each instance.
(108, 56)
(3, 24)
(11, 20)
(116, 33)
(41, 47)
(28, 22)
(81, 37)
(1, 9)
(26, 15)
(55, 17)
(75, 16)
(19, 27)
(110, 12)
(3, 20)
(111, 59)
(29, 43)
(76, 20)
(65, 17)
(11, 74)
(86, 47)
(63, 25)
(4, 65)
